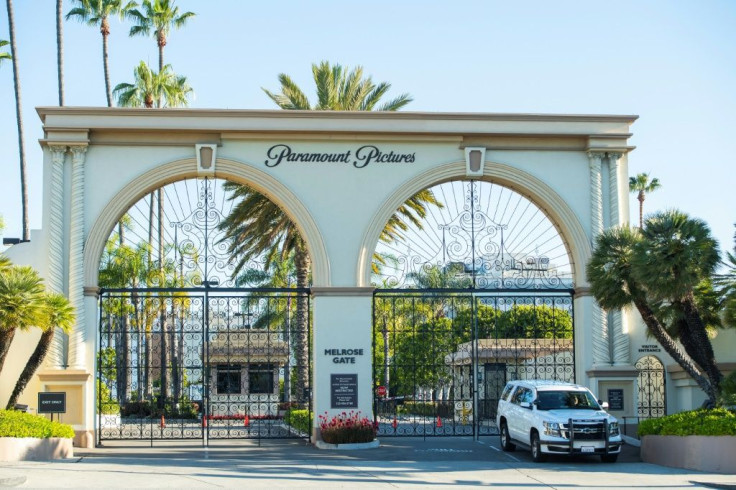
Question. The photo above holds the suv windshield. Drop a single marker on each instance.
(555, 400)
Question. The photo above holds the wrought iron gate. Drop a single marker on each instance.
(202, 364)
(652, 394)
(443, 358)
(482, 295)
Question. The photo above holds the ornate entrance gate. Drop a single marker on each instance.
(652, 399)
(193, 364)
(192, 356)
(483, 296)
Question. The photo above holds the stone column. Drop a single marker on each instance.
(76, 260)
(621, 354)
(56, 357)
(601, 350)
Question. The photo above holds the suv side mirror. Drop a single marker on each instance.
(604, 405)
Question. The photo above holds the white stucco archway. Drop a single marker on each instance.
(562, 216)
(187, 168)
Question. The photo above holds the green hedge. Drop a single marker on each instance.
(299, 419)
(714, 422)
(21, 424)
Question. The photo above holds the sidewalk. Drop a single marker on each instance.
(399, 463)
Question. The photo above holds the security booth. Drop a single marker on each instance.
(244, 374)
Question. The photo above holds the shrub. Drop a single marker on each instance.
(21, 424)
(346, 428)
(713, 422)
(301, 420)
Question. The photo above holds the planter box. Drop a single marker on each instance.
(712, 454)
(348, 447)
(32, 449)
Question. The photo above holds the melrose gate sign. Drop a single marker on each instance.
(363, 156)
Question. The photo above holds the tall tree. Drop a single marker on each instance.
(60, 48)
(642, 185)
(59, 314)
(22, 304)
(257, 227)
(158, 17)
(149, 87)
(98, 13)
(19, 121)
(622, 271)
(337, 90)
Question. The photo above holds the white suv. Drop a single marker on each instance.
(552, 417)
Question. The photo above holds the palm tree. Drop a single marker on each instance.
(4, 55)
(59, 314)
(60, 48)
(337, 90)
(22, 304)
(158, 16)
(618, 279)
(675, 256)
(98, 12)
(641, 185)
(258, 227)
(19, 121)
(150, 87)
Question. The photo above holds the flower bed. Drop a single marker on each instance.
(346, 428)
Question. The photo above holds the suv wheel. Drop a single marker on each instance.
(506, 444)
(537, 454)
(609, 458)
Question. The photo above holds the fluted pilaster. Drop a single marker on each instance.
(621, 349)
(76, 259)
(601, 341)
(55, 358)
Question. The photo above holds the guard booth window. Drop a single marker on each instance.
(260, 378)
(228, 380)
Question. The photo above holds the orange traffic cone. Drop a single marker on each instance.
(246, 421)
(163, 421)
(395, 423)
(439, 422)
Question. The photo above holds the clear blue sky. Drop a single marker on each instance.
(671, 62)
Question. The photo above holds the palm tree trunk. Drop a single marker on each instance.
(105, 32)
(302, 263)
(19, 119)
(60, 48)
(6, 338)
(697, 331)
(32, 365)
(671, 347)
(640, 197)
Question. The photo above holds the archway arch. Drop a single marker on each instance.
(187, 168)
(559, 212)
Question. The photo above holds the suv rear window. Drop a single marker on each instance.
(506, 392)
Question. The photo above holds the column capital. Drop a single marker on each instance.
(614, 157)
(58, 152)
(78, 152)
(596, 157)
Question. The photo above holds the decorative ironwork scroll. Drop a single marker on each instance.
(485, 236)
